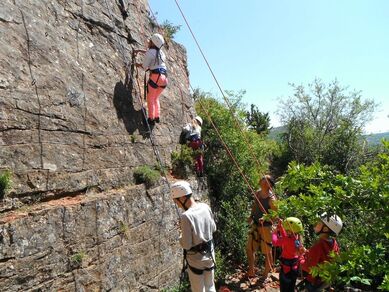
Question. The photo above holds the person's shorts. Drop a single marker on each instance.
(260, 237)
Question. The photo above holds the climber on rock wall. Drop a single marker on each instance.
(154, 62)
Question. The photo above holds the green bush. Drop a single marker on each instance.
(182, 161)
(180, 287)
(233, 218)
(5, 183)
(77, 259)
(169, 30)
(145, 174)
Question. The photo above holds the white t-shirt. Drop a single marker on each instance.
(197, 226)
(193, 130)
(151, 61)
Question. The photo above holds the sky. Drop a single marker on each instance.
(263, 46)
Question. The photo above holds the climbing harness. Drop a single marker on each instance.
(203, 248)
(159, 71)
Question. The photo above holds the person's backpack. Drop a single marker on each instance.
(184, 136)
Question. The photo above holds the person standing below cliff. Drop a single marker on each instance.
(260, 231)
(197, 228)
(154, 61)
(192, 132)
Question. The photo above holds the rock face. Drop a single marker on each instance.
(71, 124)
(120, 240)
(69, 118)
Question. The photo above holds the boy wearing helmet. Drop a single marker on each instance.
(327, 228)
(288, 237)
(154, 61)
(197, 228)
(193, 139)
(260, 231)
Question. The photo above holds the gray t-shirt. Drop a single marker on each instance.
(197, 226)
(152, 61)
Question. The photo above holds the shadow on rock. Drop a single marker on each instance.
(123, 102)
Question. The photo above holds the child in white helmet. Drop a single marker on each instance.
(154, 61)
(327, 228)
(192, 132)
(197, 228)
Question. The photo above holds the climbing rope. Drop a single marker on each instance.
(33, 83)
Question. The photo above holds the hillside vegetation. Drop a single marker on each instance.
(306, 188)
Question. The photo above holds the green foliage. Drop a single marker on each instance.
(182, 161)
(123, 229)
(180, 287)
(258, 121)
(222, 265)
(169, 30)
(77, 258)
(361, 200)
(233, 218)
(145, 174)
(5, 183)
(230, 195)
(325, 123)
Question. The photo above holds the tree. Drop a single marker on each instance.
(258, 121)
(325, 123)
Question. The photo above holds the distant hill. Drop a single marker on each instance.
(275, 133)
(376, 138)
(373, 139)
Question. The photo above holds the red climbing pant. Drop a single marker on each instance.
(153, 94)
(199, 162)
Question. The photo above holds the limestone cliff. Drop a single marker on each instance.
(72, 132)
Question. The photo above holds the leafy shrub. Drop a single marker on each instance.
(145, 174)
(233, 218)
(180, 287)
(5, 183)
(77, 259)
(182, 161)
(169, 30)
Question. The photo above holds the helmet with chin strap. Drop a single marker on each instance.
(334, 223)
(293, 224)
(199, 120)
(157, 40)
(180, 189)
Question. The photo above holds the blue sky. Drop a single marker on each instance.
(262, 46)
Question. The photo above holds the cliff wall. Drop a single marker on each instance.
(72, 133)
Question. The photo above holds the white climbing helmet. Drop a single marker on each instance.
(332, 222)
(157, 40)
(199, 120)
(180, 189)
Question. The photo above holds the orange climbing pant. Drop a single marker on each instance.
(153, 94)
(260, 237)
